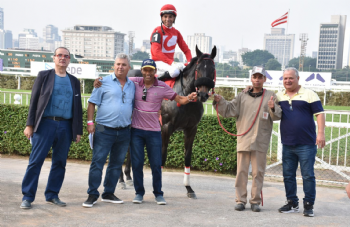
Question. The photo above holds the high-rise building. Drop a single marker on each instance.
(203, 42)
(331, 43)
(8, 39)
(50, 34)
(100, 42)
(239, 55)
(179, 56)
(14, 43)
(2, 39)
(2, 18)
(314, 54)
(228, 56)
(280, 44)
(28, 39)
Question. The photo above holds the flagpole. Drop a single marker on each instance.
(285, 40)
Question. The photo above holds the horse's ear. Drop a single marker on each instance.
(213, 53)
(198, 52)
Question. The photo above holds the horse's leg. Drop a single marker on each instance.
(127, 169)
(167, 131)
(189, 134)
(121, 184)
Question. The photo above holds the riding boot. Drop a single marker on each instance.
(164, 77)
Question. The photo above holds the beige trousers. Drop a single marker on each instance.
(258, 161)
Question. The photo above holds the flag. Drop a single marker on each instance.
(283, 19)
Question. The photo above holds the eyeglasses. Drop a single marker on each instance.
(144, 96)
(65, 56)
(123, 96)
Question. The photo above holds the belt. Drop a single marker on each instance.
(117, 128)
(58, 118)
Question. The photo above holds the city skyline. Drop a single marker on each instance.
(231, 24)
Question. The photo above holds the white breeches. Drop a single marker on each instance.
(173, 69)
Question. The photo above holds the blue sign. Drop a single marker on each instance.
(1, 65)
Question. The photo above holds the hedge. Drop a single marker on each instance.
(213, 149)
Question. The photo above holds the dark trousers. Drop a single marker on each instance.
(115, 144)
(153, 142)
(305, 155)
(50, 133)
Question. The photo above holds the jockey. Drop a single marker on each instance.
(163, 42)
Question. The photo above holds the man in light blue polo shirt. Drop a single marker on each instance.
(115, 100)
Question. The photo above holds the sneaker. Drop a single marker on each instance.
(90, 201)
(290, 207)
(240, 207)
(111, 198)
(160, 200)
(138, 199)
(26, 204)
(308, 209)
(255, 207)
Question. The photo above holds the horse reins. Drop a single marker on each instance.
(256, 115)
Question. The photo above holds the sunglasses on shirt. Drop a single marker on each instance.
(144, 96)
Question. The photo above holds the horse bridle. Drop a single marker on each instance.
(196, 77)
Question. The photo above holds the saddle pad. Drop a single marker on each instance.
(170, 82)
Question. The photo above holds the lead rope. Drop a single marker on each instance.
(256, 115)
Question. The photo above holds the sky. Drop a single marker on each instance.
(232, 24)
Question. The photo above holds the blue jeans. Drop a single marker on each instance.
(112, 142)
(50, 133)
(305, 154)
(153, 142)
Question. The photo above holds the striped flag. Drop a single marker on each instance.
(283, 19)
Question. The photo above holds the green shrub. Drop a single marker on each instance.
(213, 149)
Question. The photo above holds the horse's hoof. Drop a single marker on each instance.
(121, 185)
(192, 195)
(129, 183)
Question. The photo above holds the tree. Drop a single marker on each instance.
(139, 55)
(233, 63)
(176, 60)
(307, 62)
(256, 57)
(273, 64)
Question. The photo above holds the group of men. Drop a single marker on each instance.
(128, 116)
(257, 108)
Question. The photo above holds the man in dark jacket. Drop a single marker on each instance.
(54, 120)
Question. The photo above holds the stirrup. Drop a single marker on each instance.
(164, 77)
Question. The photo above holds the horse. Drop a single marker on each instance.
(198, 76)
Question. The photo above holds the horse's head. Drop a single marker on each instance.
(205, 74)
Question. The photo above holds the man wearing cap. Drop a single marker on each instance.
(115, 100)
(252, 146)
(145, 127)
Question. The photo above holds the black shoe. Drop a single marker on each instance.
(90, 201)
(110, 198)
(56, 201)
(308, 209)
(255, 207)
(164, 77)
(240, 207)
(26, 204)
(290, 207)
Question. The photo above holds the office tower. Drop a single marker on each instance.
(280, 44)
(203, 42)
(100, 42)
(2, 18)
(28, 39)
(239, 55)
(314, 54)
(331, 43)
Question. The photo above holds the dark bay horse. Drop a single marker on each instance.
(198, 76)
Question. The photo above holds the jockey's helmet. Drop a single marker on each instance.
(168, 9)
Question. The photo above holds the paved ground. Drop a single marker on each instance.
(214, 206)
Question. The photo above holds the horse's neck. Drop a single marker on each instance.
(188, 83)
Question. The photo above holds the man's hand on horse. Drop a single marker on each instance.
(97, 82)
(192, 96)
(217, 97)
(245, 90)
(271, 103)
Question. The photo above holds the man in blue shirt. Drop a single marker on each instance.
(298, 134)
(54, 120)
(115, 100)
